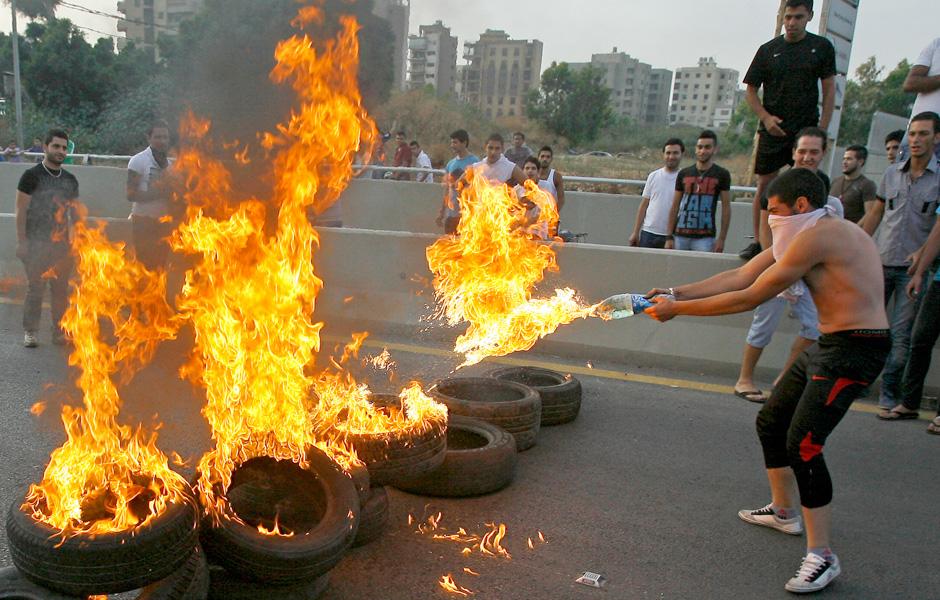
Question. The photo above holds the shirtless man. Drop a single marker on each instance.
(839, 264)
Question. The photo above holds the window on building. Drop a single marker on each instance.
(492, 51)
(682, 108)
(512, 112)
(515, 52)
(695, 96)
(705, 97)
(505, 51)
(698, 75)
(501, 98)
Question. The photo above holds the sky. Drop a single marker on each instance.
(667, 34)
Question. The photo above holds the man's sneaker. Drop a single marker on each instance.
(59, 338)
(30, 340)
(768, 518)
(752, 250)
(815, 573)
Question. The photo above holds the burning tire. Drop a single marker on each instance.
(226, 586)
(13, 585)
(189, 583)
(374, 517)
(481, 459)
(514, 407)
(561, 394)
(396, 456)
(106, 563)
(315, 509)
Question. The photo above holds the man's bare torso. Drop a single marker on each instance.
(847, 284)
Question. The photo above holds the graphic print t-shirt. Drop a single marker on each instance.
(700, 195)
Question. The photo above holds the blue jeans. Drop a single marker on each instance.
(695, 244)
(901, 319)
(652, 240)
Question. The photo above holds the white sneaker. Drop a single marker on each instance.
(815, 573)
(768, 518)
(30, 340)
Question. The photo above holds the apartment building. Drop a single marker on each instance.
(636, 88)
(145, 20)
(705, 95)
(432, 59)
(500, 72)
(397, 13)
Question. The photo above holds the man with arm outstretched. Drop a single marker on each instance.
(838, 263)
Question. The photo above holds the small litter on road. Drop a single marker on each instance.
(595, 580)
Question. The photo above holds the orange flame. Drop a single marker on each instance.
(107, 477)
(252, 295)
(449, 585)
(37, 409)
(486, 274)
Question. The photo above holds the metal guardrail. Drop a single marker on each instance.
(571, 178)
(79, 159)
(86, 159)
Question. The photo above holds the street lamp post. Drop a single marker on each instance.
(17, 89)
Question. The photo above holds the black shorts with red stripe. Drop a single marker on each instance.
(811, 399)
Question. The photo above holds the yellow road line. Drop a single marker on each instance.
(586, 371)
(565, 368)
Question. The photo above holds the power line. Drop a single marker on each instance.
(99, 13)
(117, 37)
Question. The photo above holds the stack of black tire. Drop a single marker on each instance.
(320, 512)
(162, 557)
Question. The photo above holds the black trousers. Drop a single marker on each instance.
(811, 399)
(46, 262)
(923, 337)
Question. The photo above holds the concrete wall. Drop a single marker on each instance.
(392, 206)
(103, 189)
(385, 273)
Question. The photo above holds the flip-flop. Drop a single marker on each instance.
(756, 396)
(894, 415)
(934, 426)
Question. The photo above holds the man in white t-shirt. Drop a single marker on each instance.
(924, 80)
(421, 160)
(149, 194)
(496, 168)
(651, 229)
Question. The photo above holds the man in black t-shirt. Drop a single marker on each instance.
(695, 204)
(46, 198)
(788, 68)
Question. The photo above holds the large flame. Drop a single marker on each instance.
(486, 274)
(252, 295)
(108, 477)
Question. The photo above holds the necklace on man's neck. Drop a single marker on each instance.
(51, 174)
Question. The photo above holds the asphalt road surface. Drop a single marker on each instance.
(643, 488)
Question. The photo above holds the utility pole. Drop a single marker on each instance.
(17, 89)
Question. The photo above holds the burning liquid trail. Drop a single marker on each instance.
(485, 276)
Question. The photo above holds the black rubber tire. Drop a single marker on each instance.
(470, 469)
(243, 550)
(360, 477)
(106, 563)
(560, 393)
(191, 582)
(13, 586)
(225, 586)
(397, 456)
(374, 517)
(515, 407)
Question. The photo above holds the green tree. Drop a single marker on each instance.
(868, 93)
(573, 104)
(738, 137)
(36, 9)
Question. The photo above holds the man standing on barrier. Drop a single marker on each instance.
(838, 262)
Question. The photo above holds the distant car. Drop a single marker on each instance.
(600, 153)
